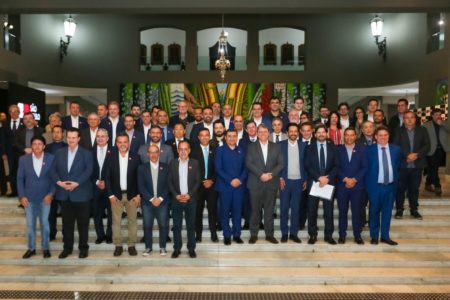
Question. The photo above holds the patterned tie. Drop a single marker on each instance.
(385, 166)
(322, 160)
(205, 158)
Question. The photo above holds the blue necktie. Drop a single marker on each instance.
(385, 166)
(205, 158)
(322, 160)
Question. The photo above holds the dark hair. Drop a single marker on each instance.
(155, 107)
(310, 124)
(354, 111)
(349, 129)
(249, 122)
(256, 103)
(338, 125)
(231, 130)
(373, 99)
(275, 98)
(179, 123)
(102, 104)
(184, 142)
(292, 125)
(264, 126)
(403, 100)
(382, 112)
(156, 127)
(218, 122)
(57, 126)
(73, 129)
(207, 107)
(135, 105)
(145, 111)
(380, 128)
(277, 119)
(122, 134)
(28, 114)
(74, 102)
(203, 129)
(299, 98)
(343, 104)
(323, 106)
(435, 110)
(305, 113)
(318, 126)
(38, 137)
(128, 116)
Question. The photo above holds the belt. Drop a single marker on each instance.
(124, 192)
(385, 184)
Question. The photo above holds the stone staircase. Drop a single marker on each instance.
(422, 259)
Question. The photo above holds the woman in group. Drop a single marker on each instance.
(335, 133)
(358, 116)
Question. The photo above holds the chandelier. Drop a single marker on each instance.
(222, 63)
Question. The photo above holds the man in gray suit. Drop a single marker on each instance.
(264, 162)
(165, 151)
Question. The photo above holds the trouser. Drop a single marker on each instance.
(3, 186)
(246, 206)
(313, 207)
(13, 162)
(303, 211)
(161, 213)
(262, 199)
(409, 181)
(79, 212)
(41, 211)
(290, 199)
(231, 202)
(210, 197)
(380, 210)
(434, 161)
(189, 209)
(117, 210)
(52, 218)
(345, 198)
(102, 203)
(364, 202)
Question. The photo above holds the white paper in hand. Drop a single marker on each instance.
(325, 192)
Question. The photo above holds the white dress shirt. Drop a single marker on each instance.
(123, 165)
(71, 157)
(227, 123)
(101, 154)
(265, 149)
(210, 127)
(257, 121)
(380, 164)
(114, 123)
(17, 123)
(37, 164)
(183, 175)
(75, 121)
(93, 135)
(146, 129)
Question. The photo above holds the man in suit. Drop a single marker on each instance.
(146, 125)
(306, 136)
(178, 136)
(372, 106)
(204, 154)
(102, 111)
(227, 117)
(232, 174)
(238, 122)
(53, 120)
(322, 165)
(292, 183)
(277, 134)
(381, 185)
(167, 131)
(3, 157)
(74, 119)
(396, 121)
(136, 113)
(218, 133)
(184, 182)
(183, 116)
(275, 112)
(367, 137)
(198, 118)
(22, 143)
(207, 123)
(350, 184)
(135, 137)
(72, 172)
(257, 116)
(154, 190)
(166, 154)
(414, 146)
(114, 123)
(324, 113)
(438, 133)
(121, 186)
(101, 154)
(12, 125)
(36, 189)
(89, 134)
(345, 119)
(297, 108)
(216, 111)
(264, 161)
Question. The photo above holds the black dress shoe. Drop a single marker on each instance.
(253, 239)
(284, 238)
(12, 195)
(359, 240)
(341, 240)
(83, 254)
(118, 251)
(29, 254)
(175, 254)
(415, 214)
(109, 240)
(198, 239)
(312, 240)
(192, 254)
(214, 237)
(271, 239)
(100, 240)
(295, 239)
(46, 254)
(132, 251)
(374, 241)
(238, 240)
(65, 253)
(399, 214)
(389, 242)
(330, 241)
(227, 241)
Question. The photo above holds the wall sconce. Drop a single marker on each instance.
(69, 29)
(376, 24)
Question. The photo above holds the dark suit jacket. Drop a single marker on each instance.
(66, 122)
(197, 153)
(421, 146)
(137, 140)
(165, 153)
(301, 157)
(312, 163)
(96, 169)
(256, 167)
(173, 144)
(19, 142)
(85, 139)
(394, 126)
(230, 164)
(362, 141)
(10, 136)
(54, 147)
(194, 132)
(194, 178)
(145, 183)
(176, 119)
(169, 134)
(231, 125)
(106, 124)
(29, 184)
(80, 172)
(356, 168)
(112, 176)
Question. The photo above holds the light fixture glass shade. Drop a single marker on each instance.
(376, 24)
(69, 27)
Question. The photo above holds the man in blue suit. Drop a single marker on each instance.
(381, 183)
(74, 119)
(230, 183)
(154, 190)
(321, 166)
(136, 137)
(113, 123)
(72, 172)
(163, 123)
(350, 185)
(292, 182)
(36, 190)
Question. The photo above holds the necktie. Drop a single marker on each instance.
(369, 142)
(205, 158)
(100, 163)
(277, 139)
(385, 166)
(14, 128)
(322, 160)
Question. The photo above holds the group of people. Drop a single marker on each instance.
(145, 163)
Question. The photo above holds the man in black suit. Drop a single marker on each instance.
(204, 154)
(113, 123)
(207, 123)
(396, 121)
(11, 127)
(324, 112)
(22, 143)
(367, 137)
(3, 186)
(101, 154)
(183, 116)
(306, 136)
(414, 145)
(136, 113)
(344, 117)
(74, 119)
(322, 163)
(264, 161)
(88, 135)
(121, 186)
(184, 182)
(179, 132)
(145, 125)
